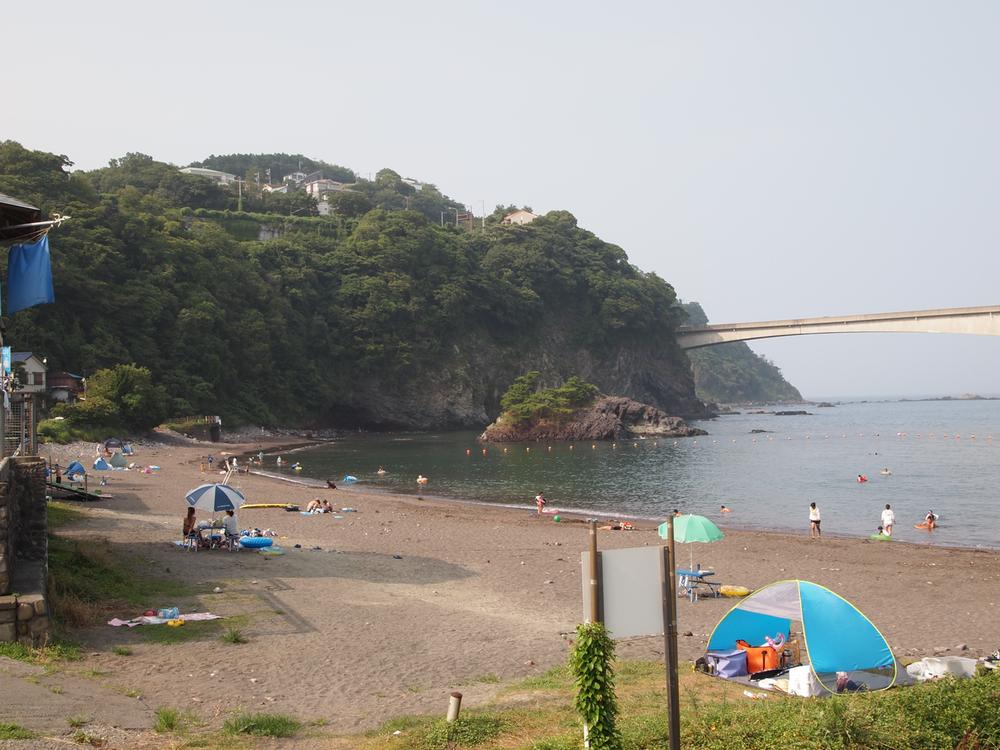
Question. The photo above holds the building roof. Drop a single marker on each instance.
(14, 212)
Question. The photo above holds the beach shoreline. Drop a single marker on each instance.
(384, 610)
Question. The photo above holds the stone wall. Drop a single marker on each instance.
(24, 614)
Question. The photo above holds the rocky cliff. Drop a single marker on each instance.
(608, 418)
(464, 389)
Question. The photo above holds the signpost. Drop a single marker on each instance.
(633, 592)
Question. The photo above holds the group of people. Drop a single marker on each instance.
(888, 519)
(319, 506)
(192, 529)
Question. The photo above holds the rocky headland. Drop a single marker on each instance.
(607, 418)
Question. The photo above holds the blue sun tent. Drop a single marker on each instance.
(75, 469)
(101, 465)
(836, 636)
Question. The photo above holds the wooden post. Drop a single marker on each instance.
(667, 577)
(454, 706)
(595, 586)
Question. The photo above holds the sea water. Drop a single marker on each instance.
(944, 456)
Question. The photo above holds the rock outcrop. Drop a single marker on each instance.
(608, 418)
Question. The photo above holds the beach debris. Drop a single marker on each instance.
(529, 663)
(550, 581)
(397, 557)
(962, 647)
(687, 633)
(397, 733)
(755, 696)
(217, 590)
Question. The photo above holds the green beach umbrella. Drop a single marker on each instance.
(691, 528)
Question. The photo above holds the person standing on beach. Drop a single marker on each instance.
(888, 519)
(540, 502)
(814, 520)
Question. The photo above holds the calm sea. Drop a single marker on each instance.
(943, 455)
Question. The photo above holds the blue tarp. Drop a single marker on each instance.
(29, 276)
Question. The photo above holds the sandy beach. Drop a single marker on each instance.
(383, 611)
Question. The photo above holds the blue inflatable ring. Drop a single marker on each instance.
(256, 541)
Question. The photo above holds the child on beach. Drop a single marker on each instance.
(888, 519)
(540, 502)
(814, 521)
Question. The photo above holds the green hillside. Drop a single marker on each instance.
(376, 317)
(733, 373)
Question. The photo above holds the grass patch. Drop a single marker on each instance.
(52, 653)
(537, 714)
(122, 651)
(234, 635)
(86, 581)
(166, 720)
(262, 725)
(77, 721)
(489, 679)
(62, 514)
(10, 731)
(191, 631)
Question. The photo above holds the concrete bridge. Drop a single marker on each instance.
(984, 321)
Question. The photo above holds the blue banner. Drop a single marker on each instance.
(29, 276)
(5, 360)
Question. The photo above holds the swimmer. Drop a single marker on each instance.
(380, 471)
(724, 509)
(676, 513)
(885, 472)
(929, 522)
(862, 479)
(421, 479)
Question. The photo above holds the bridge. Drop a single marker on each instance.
(984, 321)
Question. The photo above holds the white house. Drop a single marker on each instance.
(34, 371)
(317, 188)
(223, 178)
(519, 217)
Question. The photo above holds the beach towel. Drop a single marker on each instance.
(193, 617)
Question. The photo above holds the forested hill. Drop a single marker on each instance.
(733, 373)
(369, 317)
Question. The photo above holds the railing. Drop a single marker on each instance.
(18, 425)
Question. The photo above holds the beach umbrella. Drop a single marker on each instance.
(691, 528)
(215, 498)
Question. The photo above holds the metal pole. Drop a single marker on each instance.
(667, 576)
(595, 586)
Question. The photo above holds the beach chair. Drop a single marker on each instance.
(192, 541)
(231, 541)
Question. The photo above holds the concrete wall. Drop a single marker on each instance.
(23, 551)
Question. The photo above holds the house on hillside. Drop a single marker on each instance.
(34, 371)
(519, 217)
(320, 187)
(223, 178)
(64, 386)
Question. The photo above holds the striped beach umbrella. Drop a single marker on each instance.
(215, 498)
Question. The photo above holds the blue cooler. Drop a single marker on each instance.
(728, 663)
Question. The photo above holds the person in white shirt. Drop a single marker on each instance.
(888, 519)
(814, 521)
(230, 525)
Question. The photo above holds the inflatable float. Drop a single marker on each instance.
(925, 525)
(254, 542)
(348, 478)
(265, 505)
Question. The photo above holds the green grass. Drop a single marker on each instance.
(87, 580)
(234, 635)
(77, 721)
(56, 651)
(61, 514)
(262, 725)
(166, 720)
(122, 650)
(537, 714)
(191, 631)
(10, 731)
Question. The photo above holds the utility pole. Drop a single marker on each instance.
(239, 189)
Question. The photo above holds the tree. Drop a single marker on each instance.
(349, 203)
(140, 404)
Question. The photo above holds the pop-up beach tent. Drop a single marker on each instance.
(118, 461)
(837, 637)
(75, 469)
(101, 465)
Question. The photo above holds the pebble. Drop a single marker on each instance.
(253, 680)
(687, 633)
(529, 663)
(962, 647)
(218, 590)
(550, 581)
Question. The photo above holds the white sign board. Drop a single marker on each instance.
(631, 590)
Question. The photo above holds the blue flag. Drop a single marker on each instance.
(29, 276)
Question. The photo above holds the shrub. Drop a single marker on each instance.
(591, 663)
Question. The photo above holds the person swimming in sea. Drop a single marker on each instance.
(380, 471)
(724, 509)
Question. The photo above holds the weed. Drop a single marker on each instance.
(489, 679)
(57, 689)
(166, 720)
(234, 635)
(122, 650)
(15, 732)
(262, 725)
(94, 674)
(189, 631)
(76, 721)
(132, 693)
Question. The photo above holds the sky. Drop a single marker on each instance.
(770, 160)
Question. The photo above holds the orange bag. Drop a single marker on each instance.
(759, 658)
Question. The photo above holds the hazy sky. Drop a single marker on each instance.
(769, 159)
